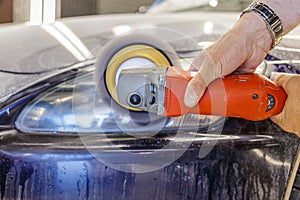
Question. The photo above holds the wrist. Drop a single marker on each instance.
(286, 10)
(271, 20)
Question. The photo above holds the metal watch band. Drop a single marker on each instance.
(273, 23)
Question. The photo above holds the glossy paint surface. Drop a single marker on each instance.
(247, 163)
(251, 160)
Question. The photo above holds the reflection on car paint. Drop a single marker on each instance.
(76, 106)
(251, 160)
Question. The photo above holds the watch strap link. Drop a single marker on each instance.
(273, 23)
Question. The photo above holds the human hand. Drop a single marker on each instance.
(241, 49)
(289, 118)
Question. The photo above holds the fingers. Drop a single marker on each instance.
(244, 45)
(208, 72)
(194, 91)
(279, 78)
(289, 118)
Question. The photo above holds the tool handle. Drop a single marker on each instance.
(249, 96)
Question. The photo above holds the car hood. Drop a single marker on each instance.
(29, 53)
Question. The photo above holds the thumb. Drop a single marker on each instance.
(281, 79)
(289, 118)
(208, 71)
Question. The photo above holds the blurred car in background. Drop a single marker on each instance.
(163, 6)
(62, 139)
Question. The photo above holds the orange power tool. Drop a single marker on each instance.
(161, 90)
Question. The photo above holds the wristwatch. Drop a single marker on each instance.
(273, 23)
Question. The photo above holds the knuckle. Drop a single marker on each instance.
(198, 81)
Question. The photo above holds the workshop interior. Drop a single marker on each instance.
(92, 105)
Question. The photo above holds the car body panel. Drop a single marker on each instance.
(247, 167)
(36, 49)
(249, 160)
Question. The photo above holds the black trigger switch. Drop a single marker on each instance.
(271, 102)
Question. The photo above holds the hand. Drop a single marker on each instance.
(289, 118)
(241, 49)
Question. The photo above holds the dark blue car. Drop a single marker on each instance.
(60, 138)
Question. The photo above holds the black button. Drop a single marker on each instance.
(152, 100)
(254, 96)
(135, 99)
(152, 88)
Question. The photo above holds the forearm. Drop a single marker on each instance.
(253, 28)
(287, 10)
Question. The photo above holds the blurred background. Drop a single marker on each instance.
(47, 11)
(23, 10)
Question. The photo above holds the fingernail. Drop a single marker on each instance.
(190, 97)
